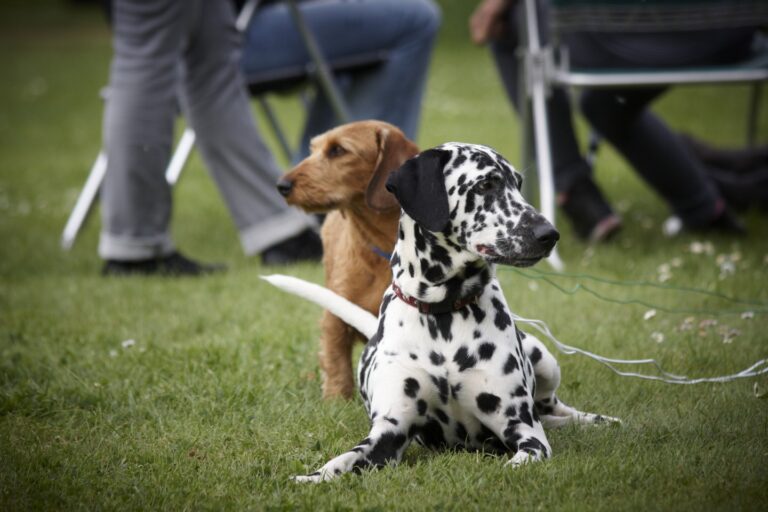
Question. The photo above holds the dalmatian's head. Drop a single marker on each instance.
(470, 195)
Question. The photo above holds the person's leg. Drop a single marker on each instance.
(402, 30)
(578, 195)
(392, 91)
(568, 162)
(217, 106)
(623, 118)
(656, 153)
(138, 129)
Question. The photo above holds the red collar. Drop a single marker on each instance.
(435, 308)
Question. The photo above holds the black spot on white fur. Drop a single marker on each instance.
(411, 387)
(488, 402)
(463, 213)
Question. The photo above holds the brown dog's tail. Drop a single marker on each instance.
(350, 313)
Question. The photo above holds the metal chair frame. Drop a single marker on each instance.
(544, 71)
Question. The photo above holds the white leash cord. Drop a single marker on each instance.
(665, 376)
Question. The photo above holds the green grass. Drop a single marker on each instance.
(218, 401)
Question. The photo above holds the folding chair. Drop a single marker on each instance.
(547, 66)
(318, 72)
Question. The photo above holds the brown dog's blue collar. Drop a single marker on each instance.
(386, 255)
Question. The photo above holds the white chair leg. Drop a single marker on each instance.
(180, 156)
(544, 160)
(536, 71)
(92, 185)
(84, 201)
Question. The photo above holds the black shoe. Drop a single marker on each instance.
(589, 212)
(306, 246)
(725, 223)
(728, 223)
(175, 264)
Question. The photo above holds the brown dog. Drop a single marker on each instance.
(345, 175)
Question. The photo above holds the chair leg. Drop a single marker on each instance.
(246, 13)
(325, 78)
(269, 113)
(537, 87)
(180, 156)
(84, 202)
(544, 159)
(527, 151)
(90, 190)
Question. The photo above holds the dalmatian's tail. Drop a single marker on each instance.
(349, 312)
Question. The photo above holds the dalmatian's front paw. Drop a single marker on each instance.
(598, 419)
(521, 458)
(315, 478)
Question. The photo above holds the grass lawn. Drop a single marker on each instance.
(216, 401)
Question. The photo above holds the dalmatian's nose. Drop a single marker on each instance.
(546, 234)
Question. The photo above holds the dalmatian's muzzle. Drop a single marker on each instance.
(532, 240)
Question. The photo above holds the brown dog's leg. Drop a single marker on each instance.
(336, 344)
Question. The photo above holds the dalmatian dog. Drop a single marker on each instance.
(445, 365)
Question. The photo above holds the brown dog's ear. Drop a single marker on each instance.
(394, 149)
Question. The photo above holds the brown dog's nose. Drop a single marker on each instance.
(284, 187)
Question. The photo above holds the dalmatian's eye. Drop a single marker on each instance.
(335, 151)
(486, 185)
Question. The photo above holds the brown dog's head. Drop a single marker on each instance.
(348, 167)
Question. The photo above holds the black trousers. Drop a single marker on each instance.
(622, 116)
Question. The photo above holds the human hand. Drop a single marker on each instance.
(488, 20)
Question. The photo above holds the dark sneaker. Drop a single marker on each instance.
(590, 215)
(727, 223)
(306, 246)
(175, 264)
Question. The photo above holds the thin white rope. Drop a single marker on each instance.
(669, 378)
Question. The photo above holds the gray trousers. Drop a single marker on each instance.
(171, 53)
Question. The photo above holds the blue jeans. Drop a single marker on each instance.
(392, 91)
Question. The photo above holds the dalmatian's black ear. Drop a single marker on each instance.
(419, 186)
